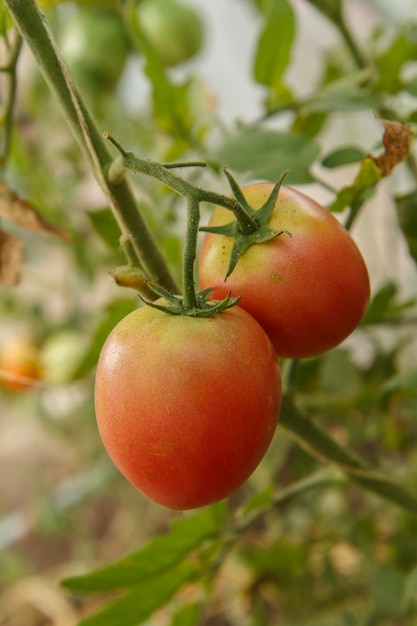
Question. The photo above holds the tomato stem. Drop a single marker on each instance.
(163, 173)
(190, 254)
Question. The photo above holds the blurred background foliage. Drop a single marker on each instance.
(259, 86)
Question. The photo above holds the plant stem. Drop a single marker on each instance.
(319, 479)
(11, 96)
(351, 44)
(37, 36)
(190, 254)
(159, 171)
(317, 442)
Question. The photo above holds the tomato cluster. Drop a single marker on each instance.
(187, 405)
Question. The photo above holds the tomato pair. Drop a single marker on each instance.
(187, 406)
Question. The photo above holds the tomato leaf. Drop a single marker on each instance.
(143, 599)
(274, 48)
(332, 9)
(160, 554)
(402, 49)
(361, 189)
(343, 156)
(384, 305)
(105, 226)
(405, 382)
(407, 217)
(387, 588)
(187, 615)
(170, 100)
(266, 154)
(344, 94)
(409, 599)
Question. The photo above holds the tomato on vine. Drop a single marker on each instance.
(305, 281)
(95, 45)
(187, 406)
(173, 28)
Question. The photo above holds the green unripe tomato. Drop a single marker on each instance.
(95, 46)
(174, 29)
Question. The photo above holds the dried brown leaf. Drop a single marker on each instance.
(11, 259)
(397, 142)
(23, 213)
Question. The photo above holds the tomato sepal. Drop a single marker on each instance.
(174, 304)
(243, 236)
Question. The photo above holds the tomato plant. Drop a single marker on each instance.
(308, 287)
(329, 514)
(173, 28)
(186, 407)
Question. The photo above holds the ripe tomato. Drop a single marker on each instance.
(186, 407)
(308, 287)
(173, 28)
(20, 363)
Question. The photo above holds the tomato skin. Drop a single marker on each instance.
(187, 407)
(308, 287)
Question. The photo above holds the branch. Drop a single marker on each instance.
(317, 443)
(36, 34)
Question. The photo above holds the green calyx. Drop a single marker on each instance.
(203, 307)
(246, 233)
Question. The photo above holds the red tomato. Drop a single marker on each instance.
(186, 407)
(20, 366)
(308, 287)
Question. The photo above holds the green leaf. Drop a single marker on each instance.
(407, 217)
(143, 599)
(332, 9)
(105, 226)
(170, 100)
(187, 615)
(362, 189)
(387, 587)
(260, 500)
(316, 441)
(266, 154)
(160, 554)
(402, 50)
(406, 382)
(411, 86)
(384, 305)
(409, 599)
(381, 304)
(343, 156)
(275, 43)
(344, 94)
(309, 124)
